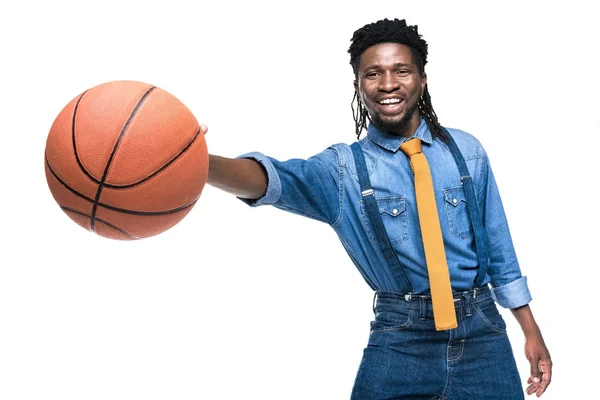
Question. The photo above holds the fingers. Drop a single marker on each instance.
(540, 378)
(534, 385)
(534, 379)
(546, 370)
(203, 129)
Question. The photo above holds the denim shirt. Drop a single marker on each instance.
(325, 187)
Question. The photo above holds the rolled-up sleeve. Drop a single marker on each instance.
(273, 186)
(514, 294)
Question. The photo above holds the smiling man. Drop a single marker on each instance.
(390, 86)
(418, 211)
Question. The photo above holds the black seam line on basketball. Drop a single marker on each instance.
(158, 170)
(121, 210)
(75, 142)
(114, 150)
(69, 188)
(148, 213)
(123, 231)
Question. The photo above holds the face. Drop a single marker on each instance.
(389, 85)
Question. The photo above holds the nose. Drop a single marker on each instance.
(388, 82)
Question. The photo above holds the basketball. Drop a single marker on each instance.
(126, 160)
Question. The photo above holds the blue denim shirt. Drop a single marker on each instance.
(325, 187)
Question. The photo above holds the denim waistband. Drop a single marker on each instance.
(412, 300)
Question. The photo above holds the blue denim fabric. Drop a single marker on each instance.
(406, 358)
(325, 187)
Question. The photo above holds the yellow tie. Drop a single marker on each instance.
(437, 268)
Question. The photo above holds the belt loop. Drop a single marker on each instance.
(468, 301)
(374, 300)
(422, 308)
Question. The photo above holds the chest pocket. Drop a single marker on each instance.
(459, 222)
(392, 211)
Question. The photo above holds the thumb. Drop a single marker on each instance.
(535, 373)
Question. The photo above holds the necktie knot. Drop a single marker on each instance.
(411, 147)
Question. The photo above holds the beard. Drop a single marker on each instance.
(397, 127)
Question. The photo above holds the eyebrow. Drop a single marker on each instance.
(397, 65)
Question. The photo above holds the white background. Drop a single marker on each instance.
(236, 302)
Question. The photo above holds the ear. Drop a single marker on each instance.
(423, 83)
(356, 86)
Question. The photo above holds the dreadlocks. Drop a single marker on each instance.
(392, 31)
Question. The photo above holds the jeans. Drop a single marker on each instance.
(406, 358)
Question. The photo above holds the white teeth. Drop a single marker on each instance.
(389, 101)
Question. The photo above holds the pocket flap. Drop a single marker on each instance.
(392, 206)
(454, 196)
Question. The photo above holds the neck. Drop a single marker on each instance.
(411, 127)
(406, 127)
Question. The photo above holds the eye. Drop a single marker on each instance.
(403, 72)
(372, 74)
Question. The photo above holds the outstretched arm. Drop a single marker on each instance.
(244, 178)
(535, 351)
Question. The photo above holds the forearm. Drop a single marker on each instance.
(524, 317)
(242, 177)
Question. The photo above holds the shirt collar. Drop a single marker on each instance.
(392, 142)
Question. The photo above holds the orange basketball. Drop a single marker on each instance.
(126, 160)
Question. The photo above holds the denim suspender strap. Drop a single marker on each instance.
(395, 273)
(481, 240)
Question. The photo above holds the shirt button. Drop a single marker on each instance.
(454, 201)
(394, 211)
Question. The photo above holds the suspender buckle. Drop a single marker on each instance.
(366, 192)
(462, 178)
(408, 297)
(475, 292)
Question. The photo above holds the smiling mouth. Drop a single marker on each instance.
(385, 102)
(391, 105)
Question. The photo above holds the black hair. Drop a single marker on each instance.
(392, 31)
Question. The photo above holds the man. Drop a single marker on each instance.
(417, 208)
